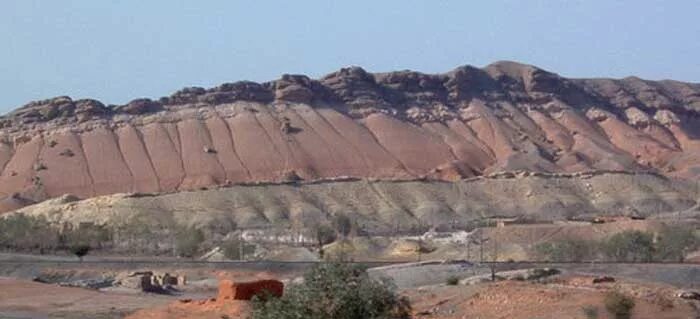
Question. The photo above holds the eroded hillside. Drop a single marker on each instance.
(386, 126)
(384, 207)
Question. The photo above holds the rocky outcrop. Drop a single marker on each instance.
(350, 124)
(58, 108)
(148, 281)
(140, 106)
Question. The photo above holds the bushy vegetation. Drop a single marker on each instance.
(29, 234)
(22, 233)
(566, 250)
(675, 242)
(157, 235)
(188, 241)
(237, 249)
(86, 234)
(80, 250)
(323, 235)
(671, 244)
(619, 305)
(591, 312)
(452, 281)
(338, 291)
(140, 234)
(342, 224)
(629, 246)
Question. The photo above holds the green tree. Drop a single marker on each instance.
(15, 232)
(237, 249)
(591, 312)
(188, 241)
(619, 305)
(45, 235)
(566, 250)
(324, 235)
(85, 234)
(80, 250)
(342, 224)
(19, 232)
(629, 246)
(675, 242)
(338, 291)
(452, 281)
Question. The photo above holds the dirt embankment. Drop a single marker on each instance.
(387, 207)
(566, 298)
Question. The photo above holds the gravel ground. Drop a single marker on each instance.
(436, 272)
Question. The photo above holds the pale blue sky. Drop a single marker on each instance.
(118, 50)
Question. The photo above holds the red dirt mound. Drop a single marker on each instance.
(229, 290)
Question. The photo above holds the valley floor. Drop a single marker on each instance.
(562, 296)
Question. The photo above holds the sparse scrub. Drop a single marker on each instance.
(26, 233)
(591, 312)
(324, 235)
(566, 250)
(237, 249)
(143, 233)
(672, 244)
(452, 281)
(188, 241)
(629, 246)
(619, 305)
(338, 291)
(663, 301)
(80, 250)
(89, 234)
(342, 224)
(675, 242)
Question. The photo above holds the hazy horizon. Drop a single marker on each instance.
(118, 52)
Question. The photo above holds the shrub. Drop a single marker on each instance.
(591, 312)
(85, 233)
(452, 281)
(187, 241)
(80, 250)
(663, 301)
(237, 249)
(629, 246)
(675, 242)
(145, 232)
(20, 232)
(324, 235)
(618, 305)
(342, 225)
(338, 291)
(566, 250)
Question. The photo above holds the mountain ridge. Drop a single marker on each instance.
(401, 125)
(291, 88)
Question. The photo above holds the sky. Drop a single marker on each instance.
(115, 51)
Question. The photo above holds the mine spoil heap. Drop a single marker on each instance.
(350, 124)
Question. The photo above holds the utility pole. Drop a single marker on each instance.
(494, 255)
(469, 243)
(495, 245)
(481, 245)
(240, 246)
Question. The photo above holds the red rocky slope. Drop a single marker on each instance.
(351, 123)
